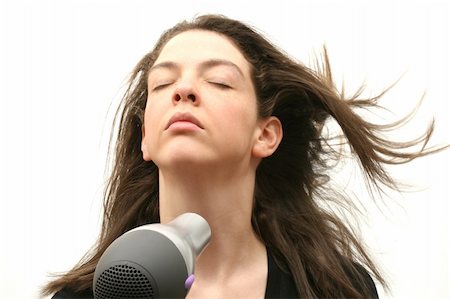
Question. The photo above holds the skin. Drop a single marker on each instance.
(209, 167)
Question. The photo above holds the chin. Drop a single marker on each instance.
(183, 159)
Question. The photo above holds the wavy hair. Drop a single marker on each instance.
(317, 246)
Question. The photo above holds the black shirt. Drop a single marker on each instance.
(279, 285)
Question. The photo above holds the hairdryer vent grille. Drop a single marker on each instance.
(123, 282)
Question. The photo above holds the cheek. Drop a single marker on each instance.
(239, 119)
(150, 124)
(154, 110)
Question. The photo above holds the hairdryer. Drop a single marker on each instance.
(153, 260)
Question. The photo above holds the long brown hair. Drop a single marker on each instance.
(320, 249)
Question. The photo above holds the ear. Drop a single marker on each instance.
(269, 137)
(145, 153)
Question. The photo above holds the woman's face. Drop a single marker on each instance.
(201, 105)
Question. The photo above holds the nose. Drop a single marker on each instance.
(186, 92)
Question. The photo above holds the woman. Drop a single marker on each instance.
(218, 121)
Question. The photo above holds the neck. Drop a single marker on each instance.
(226, 202)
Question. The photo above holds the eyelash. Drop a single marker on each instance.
(158, 87)
(221, 85)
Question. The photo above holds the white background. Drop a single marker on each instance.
(63, 66)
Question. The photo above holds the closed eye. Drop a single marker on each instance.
(161, 86)
(220, 85)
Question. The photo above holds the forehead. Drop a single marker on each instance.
(196, 46)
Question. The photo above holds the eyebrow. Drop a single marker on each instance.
(210, 63)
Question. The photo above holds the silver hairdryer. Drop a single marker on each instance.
(153, 260)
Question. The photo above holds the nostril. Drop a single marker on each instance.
(191, 97)
(179, 97)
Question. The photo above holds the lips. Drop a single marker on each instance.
(184, 117)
